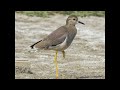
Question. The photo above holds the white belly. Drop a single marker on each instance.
(60, 47)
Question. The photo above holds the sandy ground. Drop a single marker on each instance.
(85, 58)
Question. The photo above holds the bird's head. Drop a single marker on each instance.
(73, 20)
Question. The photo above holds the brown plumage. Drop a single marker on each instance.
(58, 36)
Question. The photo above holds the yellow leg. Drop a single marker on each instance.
(55, 60)
(63, 53)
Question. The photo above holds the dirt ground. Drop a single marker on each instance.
(85, 58)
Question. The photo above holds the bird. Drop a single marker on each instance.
(60, 39)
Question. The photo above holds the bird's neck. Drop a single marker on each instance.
(70, 25)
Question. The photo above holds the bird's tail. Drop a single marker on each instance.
(35, 44)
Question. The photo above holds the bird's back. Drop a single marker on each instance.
(55, 38)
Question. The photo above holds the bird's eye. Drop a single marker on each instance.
(73, 19)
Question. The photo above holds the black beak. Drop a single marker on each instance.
(81, 22)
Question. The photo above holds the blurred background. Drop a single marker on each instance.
(78, 13)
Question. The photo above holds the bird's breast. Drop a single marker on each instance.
(71, 36)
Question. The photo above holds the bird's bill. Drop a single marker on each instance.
(81, 22)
